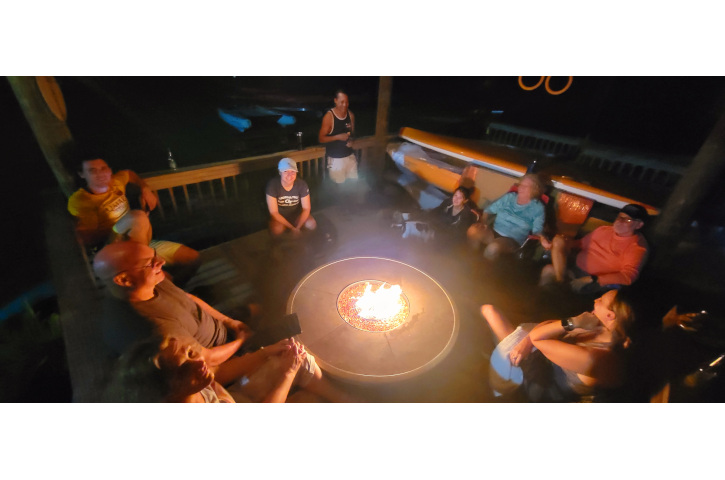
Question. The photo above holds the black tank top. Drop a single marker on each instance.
(338, 148)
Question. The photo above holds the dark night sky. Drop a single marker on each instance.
(131, 120)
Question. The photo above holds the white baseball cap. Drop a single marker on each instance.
(287, 164)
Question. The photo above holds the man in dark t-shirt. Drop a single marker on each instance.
(288, 201)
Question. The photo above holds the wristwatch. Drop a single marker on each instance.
(568, 324)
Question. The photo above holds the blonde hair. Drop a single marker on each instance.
(138, 376)
(624, 313)
(538, 187)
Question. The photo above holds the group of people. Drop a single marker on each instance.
(578, 356)
(608, 257)
(555, 360)
(288, 197)
(173, 346)
(169, 344)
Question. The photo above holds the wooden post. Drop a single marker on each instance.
(704, 171)
(51, 132)
(385, 88)
(376, 161)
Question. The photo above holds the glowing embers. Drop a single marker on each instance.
(373, 306)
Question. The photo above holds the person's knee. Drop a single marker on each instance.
(475, 233)
(558, 243)
(492, 251)
(487, 311)
(276, 228)
(310, 224)
(186, 256)
(135, 225)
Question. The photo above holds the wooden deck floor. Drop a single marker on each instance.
(250, 269)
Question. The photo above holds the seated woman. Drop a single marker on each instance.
(288, 201)
(163, 369)
(454, 216)
(518, 214)
(562, 360)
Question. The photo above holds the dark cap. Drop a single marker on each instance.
(635, 211)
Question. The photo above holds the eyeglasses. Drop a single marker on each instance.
(155, 260)
(623, 218)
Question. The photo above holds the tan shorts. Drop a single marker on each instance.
(342, 168)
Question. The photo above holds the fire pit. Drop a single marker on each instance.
(371, 319)
(373, 306)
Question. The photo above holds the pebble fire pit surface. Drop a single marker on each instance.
(350, 312)
(381, 353)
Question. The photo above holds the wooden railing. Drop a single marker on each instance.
(649, 169)
(180, 193)
(186, 189)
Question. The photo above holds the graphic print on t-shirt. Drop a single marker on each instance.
(116, 208)
(288, 200)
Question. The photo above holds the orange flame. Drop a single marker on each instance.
(382, 304)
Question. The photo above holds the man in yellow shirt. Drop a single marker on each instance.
(103, 215)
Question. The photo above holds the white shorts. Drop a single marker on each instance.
(342, 168)
(503, 376)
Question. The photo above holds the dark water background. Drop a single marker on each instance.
(131, 121)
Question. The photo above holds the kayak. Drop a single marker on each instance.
(442, 160)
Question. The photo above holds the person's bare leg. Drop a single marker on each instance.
(322, 387)
(558, 257)
(547, 275)
(499, 324)
(478, 235)
(184, 264)
(135, 225)
(276, 229)
(310, 223)
(498, 247)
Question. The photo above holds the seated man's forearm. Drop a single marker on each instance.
(218, 355)
(238, 367)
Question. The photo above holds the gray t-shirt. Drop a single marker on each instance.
(170, 312)
(288, 202)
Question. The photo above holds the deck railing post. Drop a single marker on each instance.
(375, 159)
(698, 180)
(51, 132)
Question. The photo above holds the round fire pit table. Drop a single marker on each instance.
(367, 355)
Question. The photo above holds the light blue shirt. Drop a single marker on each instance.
(514, 220)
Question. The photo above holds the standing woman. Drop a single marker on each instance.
(562, 360)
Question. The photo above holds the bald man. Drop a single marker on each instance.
(141, 301)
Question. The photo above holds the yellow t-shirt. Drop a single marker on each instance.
(96, 214)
